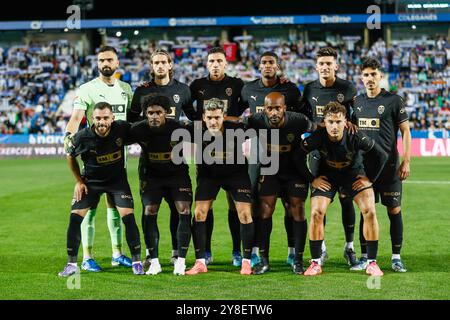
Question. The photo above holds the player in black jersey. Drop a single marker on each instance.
(227, 89)
(380, 115)
(163, 83)
(285, 181)
(253, 95)
(254, 92)
(315, 96)
(341, 170)
(102, 151)
(179, 94)
(160, 177)
(221, 164)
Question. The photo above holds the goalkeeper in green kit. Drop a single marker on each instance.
(104, 88)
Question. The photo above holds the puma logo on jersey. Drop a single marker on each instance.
(202, 92)
(102, 96)
(316, 99)
(253, 97)
(359, 108)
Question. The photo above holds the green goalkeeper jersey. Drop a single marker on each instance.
(118, 95)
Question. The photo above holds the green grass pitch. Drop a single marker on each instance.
(35, 205)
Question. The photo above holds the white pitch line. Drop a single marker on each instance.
(426, 182)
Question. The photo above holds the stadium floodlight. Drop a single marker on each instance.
(136, 32)
(118, 34)
(414, 27)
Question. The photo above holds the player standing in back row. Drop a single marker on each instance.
(315, 96)
(104, 88)
(380, 115)
(253, 95)
(227, 89)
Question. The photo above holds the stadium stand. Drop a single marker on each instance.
(37, 82)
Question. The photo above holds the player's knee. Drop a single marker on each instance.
(245, 216)
(124, 213)
(297, 206)
(298, 211)
(266, 212)
(82, 212)
(185, 210)
(299, 216)
(150, 210)
(369, 213)
(200, 214)
(266, 208)
(317, 215)
(394, 210)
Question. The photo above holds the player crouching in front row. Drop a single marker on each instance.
(341, 169)
(223, 166)
(101, 148)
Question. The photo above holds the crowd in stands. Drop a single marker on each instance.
(35, 79)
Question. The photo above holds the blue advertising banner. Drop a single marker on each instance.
(223, 21)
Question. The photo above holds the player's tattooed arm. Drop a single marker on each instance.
(80, 186)
(72, 127)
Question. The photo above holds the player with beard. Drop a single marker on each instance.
(104, 88)
(227, 89)
(381, 115)
(287, 181)
(102, 151)
(163, 83)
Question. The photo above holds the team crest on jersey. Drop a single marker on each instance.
(229, 92)
(290, 137)
(124, 95)
(176, 98)
(340, 97)
(380, 109)
(119, 142)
